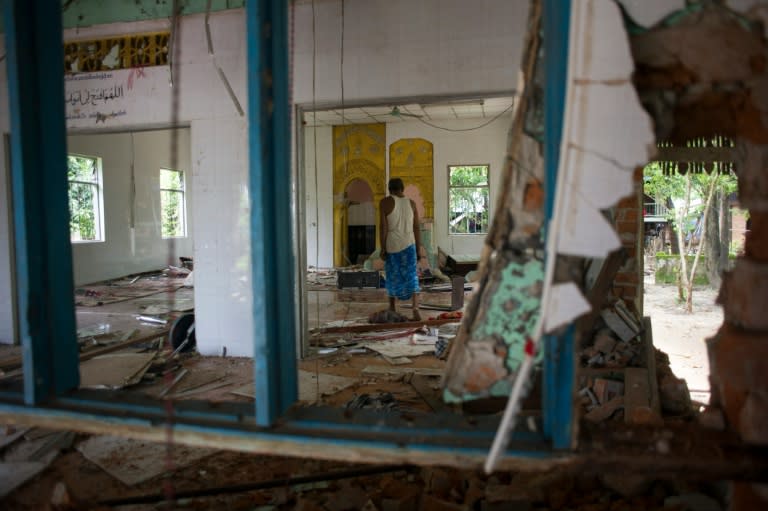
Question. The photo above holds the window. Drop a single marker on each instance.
(172, 204)
(85, 205)
(468, 199)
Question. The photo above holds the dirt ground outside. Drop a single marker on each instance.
(681, 335)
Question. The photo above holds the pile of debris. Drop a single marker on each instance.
(617, 340)
(623, 377)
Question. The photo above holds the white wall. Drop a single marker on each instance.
(319, 213)
(486, 145)
(118, 254)
(401, 48)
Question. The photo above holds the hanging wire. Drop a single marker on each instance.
(508, 109)
(314, 136)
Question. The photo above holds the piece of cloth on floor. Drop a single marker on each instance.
(402, 278)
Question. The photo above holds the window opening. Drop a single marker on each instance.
(85, 211)
(172, 203)
(468, 199)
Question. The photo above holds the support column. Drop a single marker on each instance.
(44, 288)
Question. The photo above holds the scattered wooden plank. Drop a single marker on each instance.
(382, 326)
(15, 362)
(173, 383)
(58, 441)
(650, 364)
(114, 371)
(400, 370)
(423, 388)
(636, 392)
(604, 411)
(109, 349)
(216, 384)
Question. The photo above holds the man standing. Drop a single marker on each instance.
(400, 237)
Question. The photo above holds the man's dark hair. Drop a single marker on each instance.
(396, 185)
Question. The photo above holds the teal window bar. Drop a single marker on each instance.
(44, 288)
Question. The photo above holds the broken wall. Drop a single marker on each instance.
(606, 136)
(703, 72)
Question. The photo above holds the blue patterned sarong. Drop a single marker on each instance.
(402, 278)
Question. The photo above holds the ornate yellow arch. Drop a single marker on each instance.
(411, 159)
(358, 153)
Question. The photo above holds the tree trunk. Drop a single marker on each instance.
(681, 217)
(673, 241)
(714, 242)
(725, 231)
(703, 242)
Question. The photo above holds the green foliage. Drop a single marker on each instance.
(469, 176)
(172, 203)
(669, 273)
(468, 199)
(82, 173)
(672, 186)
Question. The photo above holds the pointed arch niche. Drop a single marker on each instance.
(358, 153)
(411, 159)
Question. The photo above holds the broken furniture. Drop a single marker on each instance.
(458, 264)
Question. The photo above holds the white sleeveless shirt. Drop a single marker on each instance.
(400, 225)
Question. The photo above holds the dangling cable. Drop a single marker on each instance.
(314, 143)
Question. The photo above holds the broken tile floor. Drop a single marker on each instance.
(96, 469)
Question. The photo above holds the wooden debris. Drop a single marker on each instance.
(176, 380)
(618, 325)
(400, 371)
(58, 441)
(423, 387)
(114, 371)
(604, 411)
(378, 327)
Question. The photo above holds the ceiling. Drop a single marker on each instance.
(479, 109)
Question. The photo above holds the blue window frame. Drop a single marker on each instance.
(45, 292)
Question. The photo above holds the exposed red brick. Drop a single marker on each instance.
(748, 497)
(627, 278)
(630, 215)
(753, 420)
(744, 295)
(756, 246)
(624, 226)
(740, 363)
(732, 114)
(481, 377)
(534, 195)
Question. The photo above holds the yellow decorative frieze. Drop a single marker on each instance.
(122, 52)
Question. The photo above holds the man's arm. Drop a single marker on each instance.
(416, 227)
(383, 228)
